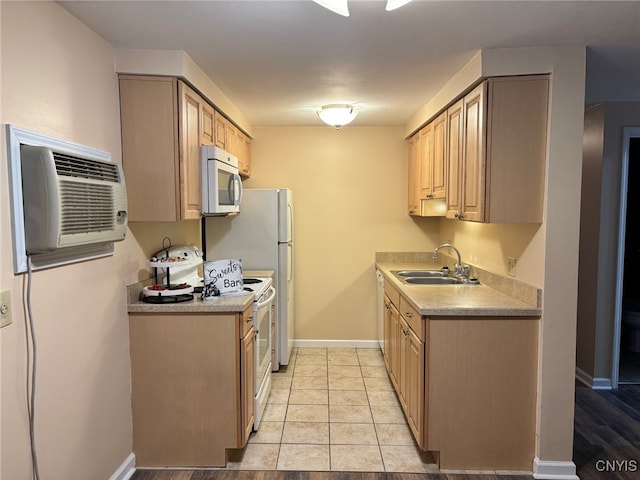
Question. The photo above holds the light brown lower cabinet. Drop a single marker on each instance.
(467, 385)
(192, 387)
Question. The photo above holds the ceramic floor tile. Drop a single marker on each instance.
(307, 413)
(409, 459)
(306, 432)
(383, 398)
(346, 383)
(356, 458)
(352, 434)
(369, 352)
(279, 395)
(275, 412)
(350, 414)
(310, 371)
(255, 456)
(384, 414)
(378, 383)
(348, 397)
(394, 434)
(344, 371)
(342, 351)
(268, 432)
(309, 397)
(344, 359)
(311, 351)
(379, 372)
(372, 361)
(281, 381)
(311, 360)
(309, 383)
(304, 457)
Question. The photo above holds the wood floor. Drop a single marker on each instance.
(607, 437)
(607, 433)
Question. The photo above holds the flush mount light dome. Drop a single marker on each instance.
(337, 114)
(338, 6)
(393, 4)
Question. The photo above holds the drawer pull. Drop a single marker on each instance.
(249, 319)
(408, 314)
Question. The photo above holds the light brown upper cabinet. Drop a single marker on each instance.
(413, 188)
(164, 122)
(231, 139)
(496, 143)
(433, 159)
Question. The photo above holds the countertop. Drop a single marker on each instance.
(455, 300)
(228, 304)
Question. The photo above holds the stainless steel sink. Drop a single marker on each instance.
(420, 273)
(433, 280)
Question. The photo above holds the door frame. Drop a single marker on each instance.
(627, 134)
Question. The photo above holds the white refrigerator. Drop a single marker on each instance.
(262, 236)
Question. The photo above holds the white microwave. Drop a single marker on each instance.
(221, 183)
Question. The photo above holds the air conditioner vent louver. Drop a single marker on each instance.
(70, 201)
(86, 207)
(69, 166)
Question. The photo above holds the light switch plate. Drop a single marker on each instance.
(5, 308)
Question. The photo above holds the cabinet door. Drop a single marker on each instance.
(426, 162)
(248, 379)
(150, 147)
(439, 169)
(244, 154)
(474, 171)
(413, 190)
(413, 392)
(231, 139)
(394, 345)
(190, 171)
(455, 149)
(220, 130)
(207, 132)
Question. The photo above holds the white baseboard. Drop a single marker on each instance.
(596, 383)
(554, 470)
(126, 470)
(336, 344)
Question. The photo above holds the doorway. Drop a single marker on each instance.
(626, 361)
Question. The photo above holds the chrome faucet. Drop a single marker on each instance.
(461, 271)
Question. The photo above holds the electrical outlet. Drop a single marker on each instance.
(5, 308)
(511, 269)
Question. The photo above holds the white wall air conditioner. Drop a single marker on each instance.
(70, 200)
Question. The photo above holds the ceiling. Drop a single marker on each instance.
(278, 61)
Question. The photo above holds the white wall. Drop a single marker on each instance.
(58, 79)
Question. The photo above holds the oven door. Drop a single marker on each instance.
(262, 325)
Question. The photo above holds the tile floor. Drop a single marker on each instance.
(333, 410)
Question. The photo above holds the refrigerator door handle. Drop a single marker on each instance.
(290, 272)
(290, 232)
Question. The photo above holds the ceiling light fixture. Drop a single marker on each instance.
(337, 115)
(393, 4)
(338, 6)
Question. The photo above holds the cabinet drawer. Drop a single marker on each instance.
(246, 322)
(412, 317)
(392, 293)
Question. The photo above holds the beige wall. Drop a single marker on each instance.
(350, 194)
(58, 79)
(602, 169)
